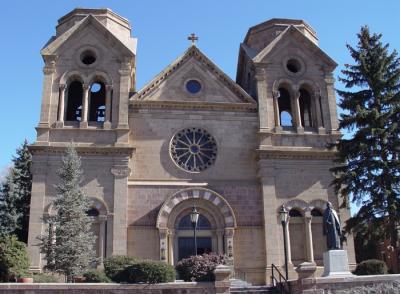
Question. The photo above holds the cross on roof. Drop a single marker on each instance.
(193, 38)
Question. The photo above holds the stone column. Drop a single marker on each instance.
(289, 250)
(36, 225)
(297, 113)
(220, 241)
(102, 236)
(262, 98)
(61, 107)
(171, 247)
(320, 125)
(222, 284)
(277, 119)
(47, 91)
(85, 106)
(332, 108)
(163, 244)
(123, 103)
(107, 119)
(309, 242)
(120, 227)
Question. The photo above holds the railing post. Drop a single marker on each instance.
(222, 283)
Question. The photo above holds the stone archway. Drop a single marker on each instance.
(211, 204)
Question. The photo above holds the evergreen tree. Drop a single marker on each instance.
(15, 196)
(68, 245)
(369, 166)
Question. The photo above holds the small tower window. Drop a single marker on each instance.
(97, 103)
(285, 109)
(88, 57)
(305, 108)
(74, 101)
(293, 65)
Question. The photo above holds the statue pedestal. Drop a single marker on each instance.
(336, 264)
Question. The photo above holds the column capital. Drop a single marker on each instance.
(109, 87)
(62, 87)
(85, 87)
(121, 171)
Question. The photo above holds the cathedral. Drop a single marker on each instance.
(192, 137)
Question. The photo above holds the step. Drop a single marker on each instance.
(254, 290)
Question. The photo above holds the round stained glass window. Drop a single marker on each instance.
(193, 86)
(193, 149)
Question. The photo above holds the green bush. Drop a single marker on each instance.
(114, 266)
(45, 278)
(95, 276)
(371, 267)
(200, 268)
(14, 261)
(150, 272)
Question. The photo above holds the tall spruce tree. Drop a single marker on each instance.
(68, 245)
(15, 195)
(369, 167)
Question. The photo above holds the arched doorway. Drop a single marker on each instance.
(216, 224)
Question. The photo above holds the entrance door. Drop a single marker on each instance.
(186, 246)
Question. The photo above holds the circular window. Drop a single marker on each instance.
(293, 65)
(193, 86)
(193, 149)
(88, 57)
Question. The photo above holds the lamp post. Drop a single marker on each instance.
(283, 215)
(194, 218)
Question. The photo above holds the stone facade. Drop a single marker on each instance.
(257, 144)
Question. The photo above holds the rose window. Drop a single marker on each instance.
(193, 149)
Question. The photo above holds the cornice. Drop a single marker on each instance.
(295, 153)
(147, 104)
(82, 150)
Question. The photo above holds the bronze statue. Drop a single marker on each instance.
(332, 229)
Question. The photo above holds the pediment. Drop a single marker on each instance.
(293, 37)
(81, 30)
(170, 85)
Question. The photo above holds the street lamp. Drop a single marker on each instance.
(194, 218)
(283, 215)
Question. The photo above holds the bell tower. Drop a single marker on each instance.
(282, 67)
(89, 73)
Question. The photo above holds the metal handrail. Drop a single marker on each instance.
(280, 282)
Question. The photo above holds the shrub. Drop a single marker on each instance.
(14, 261)
(45, 278)
(200, 268)
(150, 272)
(95, 276)
(371, 267)
(114, 266)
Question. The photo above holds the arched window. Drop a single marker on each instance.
(202, 224)
(295, 213)
(93, 212)
(285, 108)
(97, 102)
(316, 212)
(305, 109)
(319, 244)
(74, 102)
(297, 236)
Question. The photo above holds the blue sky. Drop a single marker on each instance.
(162, 28)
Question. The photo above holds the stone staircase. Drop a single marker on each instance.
(254, 290)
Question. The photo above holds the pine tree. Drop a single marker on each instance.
(369, 166)
(68, 245)
(15, 196)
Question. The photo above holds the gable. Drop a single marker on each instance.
(216, 87)
(90, 23)
(297, 39)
